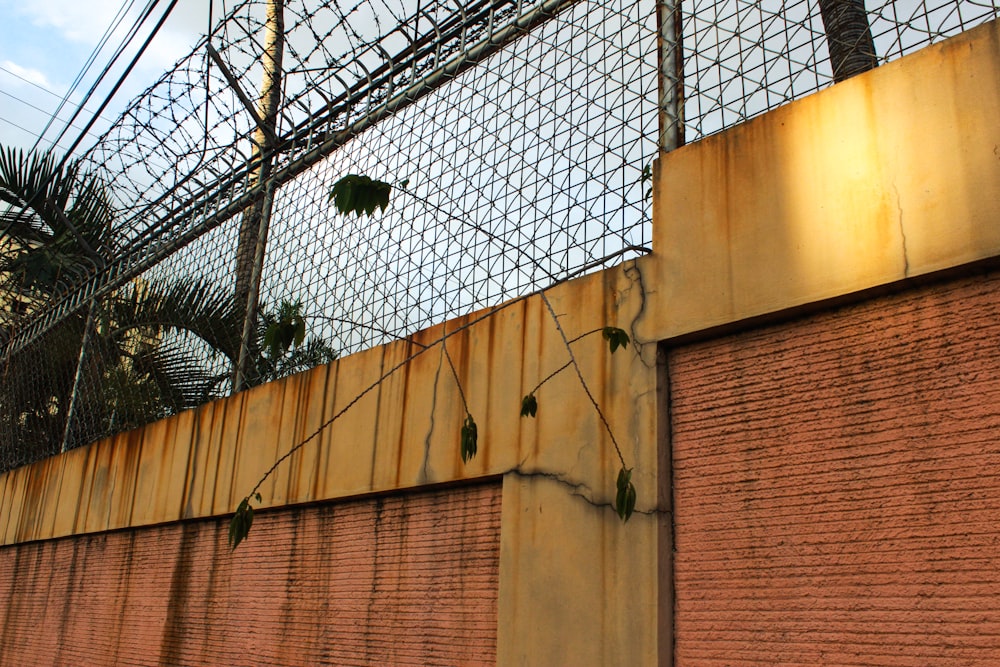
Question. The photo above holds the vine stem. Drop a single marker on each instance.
(454, 372)
(576, 367)
(564, 366)
(424, 348)
(451, 364)
(380, 380)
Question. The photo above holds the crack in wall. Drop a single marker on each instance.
(577, 489)
(430, 429)
(632, 271)
(902, 232)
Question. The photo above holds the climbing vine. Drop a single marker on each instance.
(361, 195)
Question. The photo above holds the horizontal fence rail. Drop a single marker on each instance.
(518, 139)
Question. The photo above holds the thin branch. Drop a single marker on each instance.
(458, 382)
(423, 348)
(564, 366)
(376, 383)
(583, 382)
(550, 376)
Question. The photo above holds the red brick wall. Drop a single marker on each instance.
(398, 580)
(837, 486)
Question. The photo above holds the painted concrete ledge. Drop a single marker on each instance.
(400, 433)
(886, 176)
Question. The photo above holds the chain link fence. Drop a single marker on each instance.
(741, 59)
(517, 137)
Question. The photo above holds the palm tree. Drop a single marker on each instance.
(54, 230)
(150, 349)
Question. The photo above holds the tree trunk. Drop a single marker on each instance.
(250, 227)
(849, 37)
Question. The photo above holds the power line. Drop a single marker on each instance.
(128, 70)
(19, 127)
(147, 11)
(44, 90)
(107, 100)
(115, 22)
(36, 108)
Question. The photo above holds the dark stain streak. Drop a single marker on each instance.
(430, 429)
(175, 633)
(373, 592)
(65, 617)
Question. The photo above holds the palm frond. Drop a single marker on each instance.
(57, 224)
(194, 306)
(160, 380)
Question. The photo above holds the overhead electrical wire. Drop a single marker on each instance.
(103, 105)
(147, 11)
(22, 128)
(31, 106)
(43, 89)
(119, 82)
(111, 29)
(19, 127)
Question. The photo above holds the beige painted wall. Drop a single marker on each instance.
(889, 175)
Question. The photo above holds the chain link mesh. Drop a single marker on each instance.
(517, 136)
(743, 58)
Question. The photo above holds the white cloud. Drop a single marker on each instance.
(83, 22)
(168, 47)
(22, 75)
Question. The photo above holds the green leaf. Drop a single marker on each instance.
(359, 194)
(625, 498)
(616, 338)
(299, 325)
(240, 524)
(647, 175)
(289, 328)
(469, 438)
(272, 339)
(529, 406)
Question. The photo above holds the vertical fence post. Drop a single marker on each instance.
(670, 60)
(253, 297)
(253, 229)
(81, 360)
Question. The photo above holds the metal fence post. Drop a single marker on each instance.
(670, 59)
(73, 397)
(253, 297)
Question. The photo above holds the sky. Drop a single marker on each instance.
(45, 43)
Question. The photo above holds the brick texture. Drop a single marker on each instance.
(837, 486)
(396, 580)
